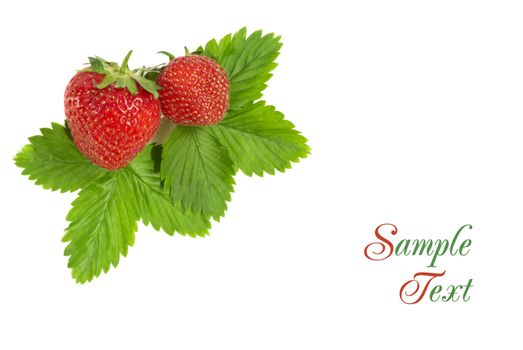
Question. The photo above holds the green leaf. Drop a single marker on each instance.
(54, 162)
(154, 204)
(197, 171)
(103, 220)
(104, 217)
(248, 62)
(259, 139)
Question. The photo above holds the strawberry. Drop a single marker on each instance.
(194, 90)
(111, 118)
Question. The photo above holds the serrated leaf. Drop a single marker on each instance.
(154, 204)
(103, 221)
(54, 162)
(197, 171)
(259, 139)
(104, 217)
(248, 62)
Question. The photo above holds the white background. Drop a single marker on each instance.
(413, 110)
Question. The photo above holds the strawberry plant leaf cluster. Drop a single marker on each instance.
(180, 185)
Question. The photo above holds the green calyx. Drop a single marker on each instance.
(121, 76)
(168, 54)
(198, 51)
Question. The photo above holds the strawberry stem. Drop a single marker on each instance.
(124, 66)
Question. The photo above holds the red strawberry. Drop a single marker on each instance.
(195, 90)
(111, 118)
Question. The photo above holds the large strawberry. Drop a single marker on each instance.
(195, 90)
(110, 116)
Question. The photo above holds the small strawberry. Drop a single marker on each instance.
(195, 90)
(111, 118)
